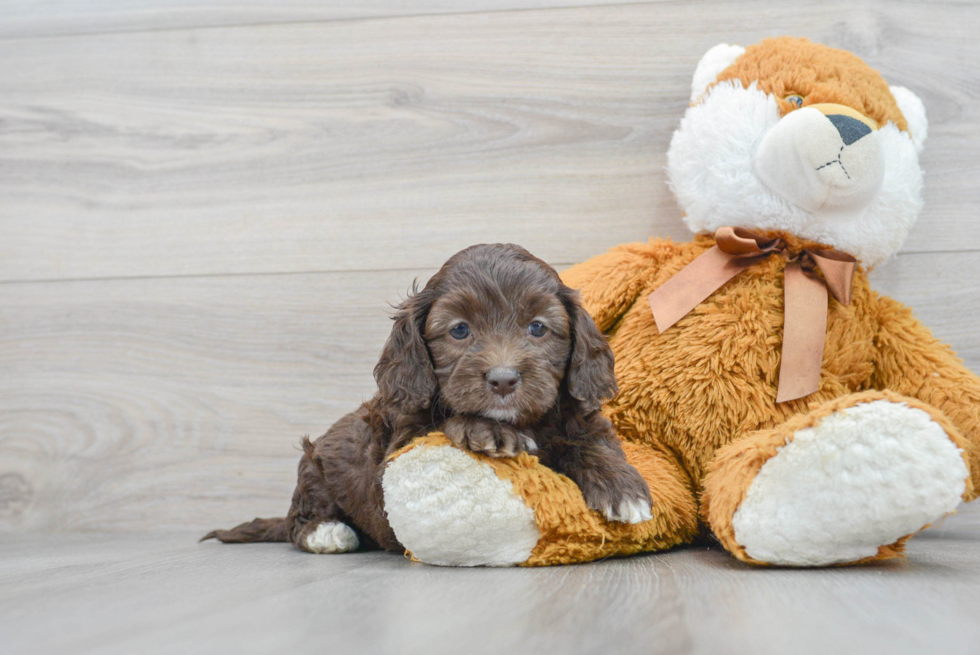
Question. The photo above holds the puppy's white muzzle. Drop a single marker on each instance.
(825, 159)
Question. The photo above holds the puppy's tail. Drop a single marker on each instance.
(256, 530)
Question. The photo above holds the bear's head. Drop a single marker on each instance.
(794, 136)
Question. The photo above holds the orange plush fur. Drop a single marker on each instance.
(785, 66)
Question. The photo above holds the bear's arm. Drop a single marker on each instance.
(610, 283)
(912, 362)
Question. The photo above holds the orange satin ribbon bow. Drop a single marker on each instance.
(805, 322)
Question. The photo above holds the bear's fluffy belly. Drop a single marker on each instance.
(712, 377)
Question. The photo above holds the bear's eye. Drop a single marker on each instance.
(460, 331)
(795, 99)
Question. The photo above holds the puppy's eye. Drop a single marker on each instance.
(795, 99)
(536, 329)
(460, 331)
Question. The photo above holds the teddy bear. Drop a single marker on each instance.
(768, 395)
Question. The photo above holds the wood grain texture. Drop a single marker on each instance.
(164, 593)
(174, 403)
(27, 18)
(130, 404)
(388, 143)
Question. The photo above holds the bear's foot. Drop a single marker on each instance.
(847, 483)
(456, 508)
(451, 509)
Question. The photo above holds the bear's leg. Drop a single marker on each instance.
(456, 508)
(847, 482)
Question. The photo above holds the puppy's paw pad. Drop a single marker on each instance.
(332, 537)
(635, 510)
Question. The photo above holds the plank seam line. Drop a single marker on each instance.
(421, 270)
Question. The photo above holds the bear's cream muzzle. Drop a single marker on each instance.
(824, 158)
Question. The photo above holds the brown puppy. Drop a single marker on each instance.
(500, 355)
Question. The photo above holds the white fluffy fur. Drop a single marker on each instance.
(711, 65)
(710, 168)
(449, 509)
(805, 161)
(915, 114)
(332, 537)
(501, 413)
(862, 478)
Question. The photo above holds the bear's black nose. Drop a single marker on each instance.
(850, 129)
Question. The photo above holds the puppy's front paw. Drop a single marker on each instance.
(635, 510)
(620, 496)
(488, 437)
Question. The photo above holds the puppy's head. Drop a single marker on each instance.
(496, 334)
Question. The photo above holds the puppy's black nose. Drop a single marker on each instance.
(850, 129)
(503, 380)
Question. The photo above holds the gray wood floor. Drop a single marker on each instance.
(163, 593)
(205, 209)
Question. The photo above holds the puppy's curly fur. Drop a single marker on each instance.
(500, 355)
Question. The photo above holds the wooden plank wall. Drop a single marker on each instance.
(204, 211)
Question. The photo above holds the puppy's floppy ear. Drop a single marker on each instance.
(404, 372)
(591, 375)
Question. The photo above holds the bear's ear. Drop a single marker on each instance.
(711, 65)
(915, 114)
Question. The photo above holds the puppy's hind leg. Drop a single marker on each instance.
(329, 537)
(316, 522)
